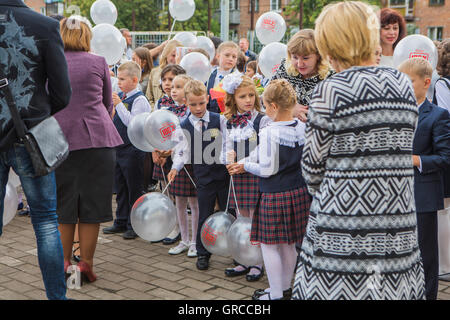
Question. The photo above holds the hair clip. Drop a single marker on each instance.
(231, 82)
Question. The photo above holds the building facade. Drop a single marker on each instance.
(36, 5)
(427, 17)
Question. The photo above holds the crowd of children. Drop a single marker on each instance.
(261, 146)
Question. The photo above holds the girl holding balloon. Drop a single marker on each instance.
(244, 120)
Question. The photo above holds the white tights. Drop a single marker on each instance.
(181, 204)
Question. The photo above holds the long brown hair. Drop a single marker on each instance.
(144, 54)
(230, 102)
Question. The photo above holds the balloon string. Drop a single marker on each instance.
(234, 194)
(190, 177)
(171, 30)
(228, 198)
(166, 188)
(165, 181)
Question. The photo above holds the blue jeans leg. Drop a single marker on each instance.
(41, 197)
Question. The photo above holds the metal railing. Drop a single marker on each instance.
(140, 38)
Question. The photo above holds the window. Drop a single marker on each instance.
(256, 2)
(234, 4)
(435, 33)
(397, 2)
(275, 5)
(437, 2)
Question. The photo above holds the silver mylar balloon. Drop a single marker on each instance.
(241, 248)
(214, 233)
(104, 11)
(107, 42)
(197, 66)
(187, 39)
(11, 201)
(159, 128)
(153, 216)
(135, 132)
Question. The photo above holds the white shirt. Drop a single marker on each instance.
(387, 61)
(181, 154)
(220, 75)
(443, 94)
(140, 105)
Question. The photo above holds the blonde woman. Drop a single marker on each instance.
(303, 69)
(168, 56)
(361, 239)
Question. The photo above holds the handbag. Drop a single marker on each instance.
(45, 142)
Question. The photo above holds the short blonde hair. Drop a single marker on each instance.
(183, 77)
(131, 68)
(304, 44)
(226, 45)
(348, 32)
(170, 46)
(230, 101)
(417, 66)
(280, 92)
(195, 87)
(76, 34)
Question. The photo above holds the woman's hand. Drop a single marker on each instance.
(300, 112)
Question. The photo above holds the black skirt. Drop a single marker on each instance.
(85, 185)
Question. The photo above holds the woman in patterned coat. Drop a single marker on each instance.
(303, 69)
(361, 238)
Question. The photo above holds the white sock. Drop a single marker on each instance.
(289, 259)
(181, 204)
(274, 269)
(193, 204)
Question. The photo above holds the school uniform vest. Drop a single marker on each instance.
(289, 175)
(246, 144)
(120, 126)
(205, 173)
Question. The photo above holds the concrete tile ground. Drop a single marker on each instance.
(126, 270)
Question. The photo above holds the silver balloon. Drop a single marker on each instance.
(11, 201)
(206, 44)
(241, 248)
(135, 132)
(153, 216)
(104, 11)
(107, 42)
(197, 66)
(187, 39)
(159, 128)
(413, 46)
(181, 10)
(214, 233)
(270, 58)
(270, 27)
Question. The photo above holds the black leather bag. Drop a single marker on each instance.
(45, 142)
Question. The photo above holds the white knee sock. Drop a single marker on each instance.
(274, 269)
(289, 260)
(181, 204)
(193, 204)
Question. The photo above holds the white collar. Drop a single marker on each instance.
(205, 118)
(132, 92)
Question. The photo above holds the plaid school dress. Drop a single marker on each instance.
(246, 185)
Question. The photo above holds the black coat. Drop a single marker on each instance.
(32, 58)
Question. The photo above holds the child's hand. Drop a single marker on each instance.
(300, 112)
(156, 158)
(116, 99)
(416, 161)
(165, 154)
(172, 174)
(236, 168)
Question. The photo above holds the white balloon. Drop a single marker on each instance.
(187, 39)
(270, 27)
(104, 11)
(206, 44)
(241, 248)
(197, 66)
(214, 233)
(270, 58)
(107, 42)
(135, 132)
(181, 10)
(13, 178)
(153, 216)
(415, 45)
(11, 201)
(159, 128)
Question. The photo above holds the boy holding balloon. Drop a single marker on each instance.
(129, 173)
(201, 145)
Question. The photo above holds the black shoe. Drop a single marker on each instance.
(231, 272)
(129, 235)
(270, 297)
(203, 262)
(167, 241)
(254, 277)
(114, 229)
(24, 211)
(287, 294)
(152, 187)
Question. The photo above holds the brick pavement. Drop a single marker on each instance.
(126, 269)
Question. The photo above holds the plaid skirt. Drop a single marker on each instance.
(281, 217)
(158, 173)
(182, 185)
(246, 186)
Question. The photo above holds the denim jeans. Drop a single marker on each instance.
(41, 197)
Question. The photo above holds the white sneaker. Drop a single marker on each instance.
(192, 253)
(180, 248)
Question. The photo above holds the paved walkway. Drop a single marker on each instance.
(126, 269)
